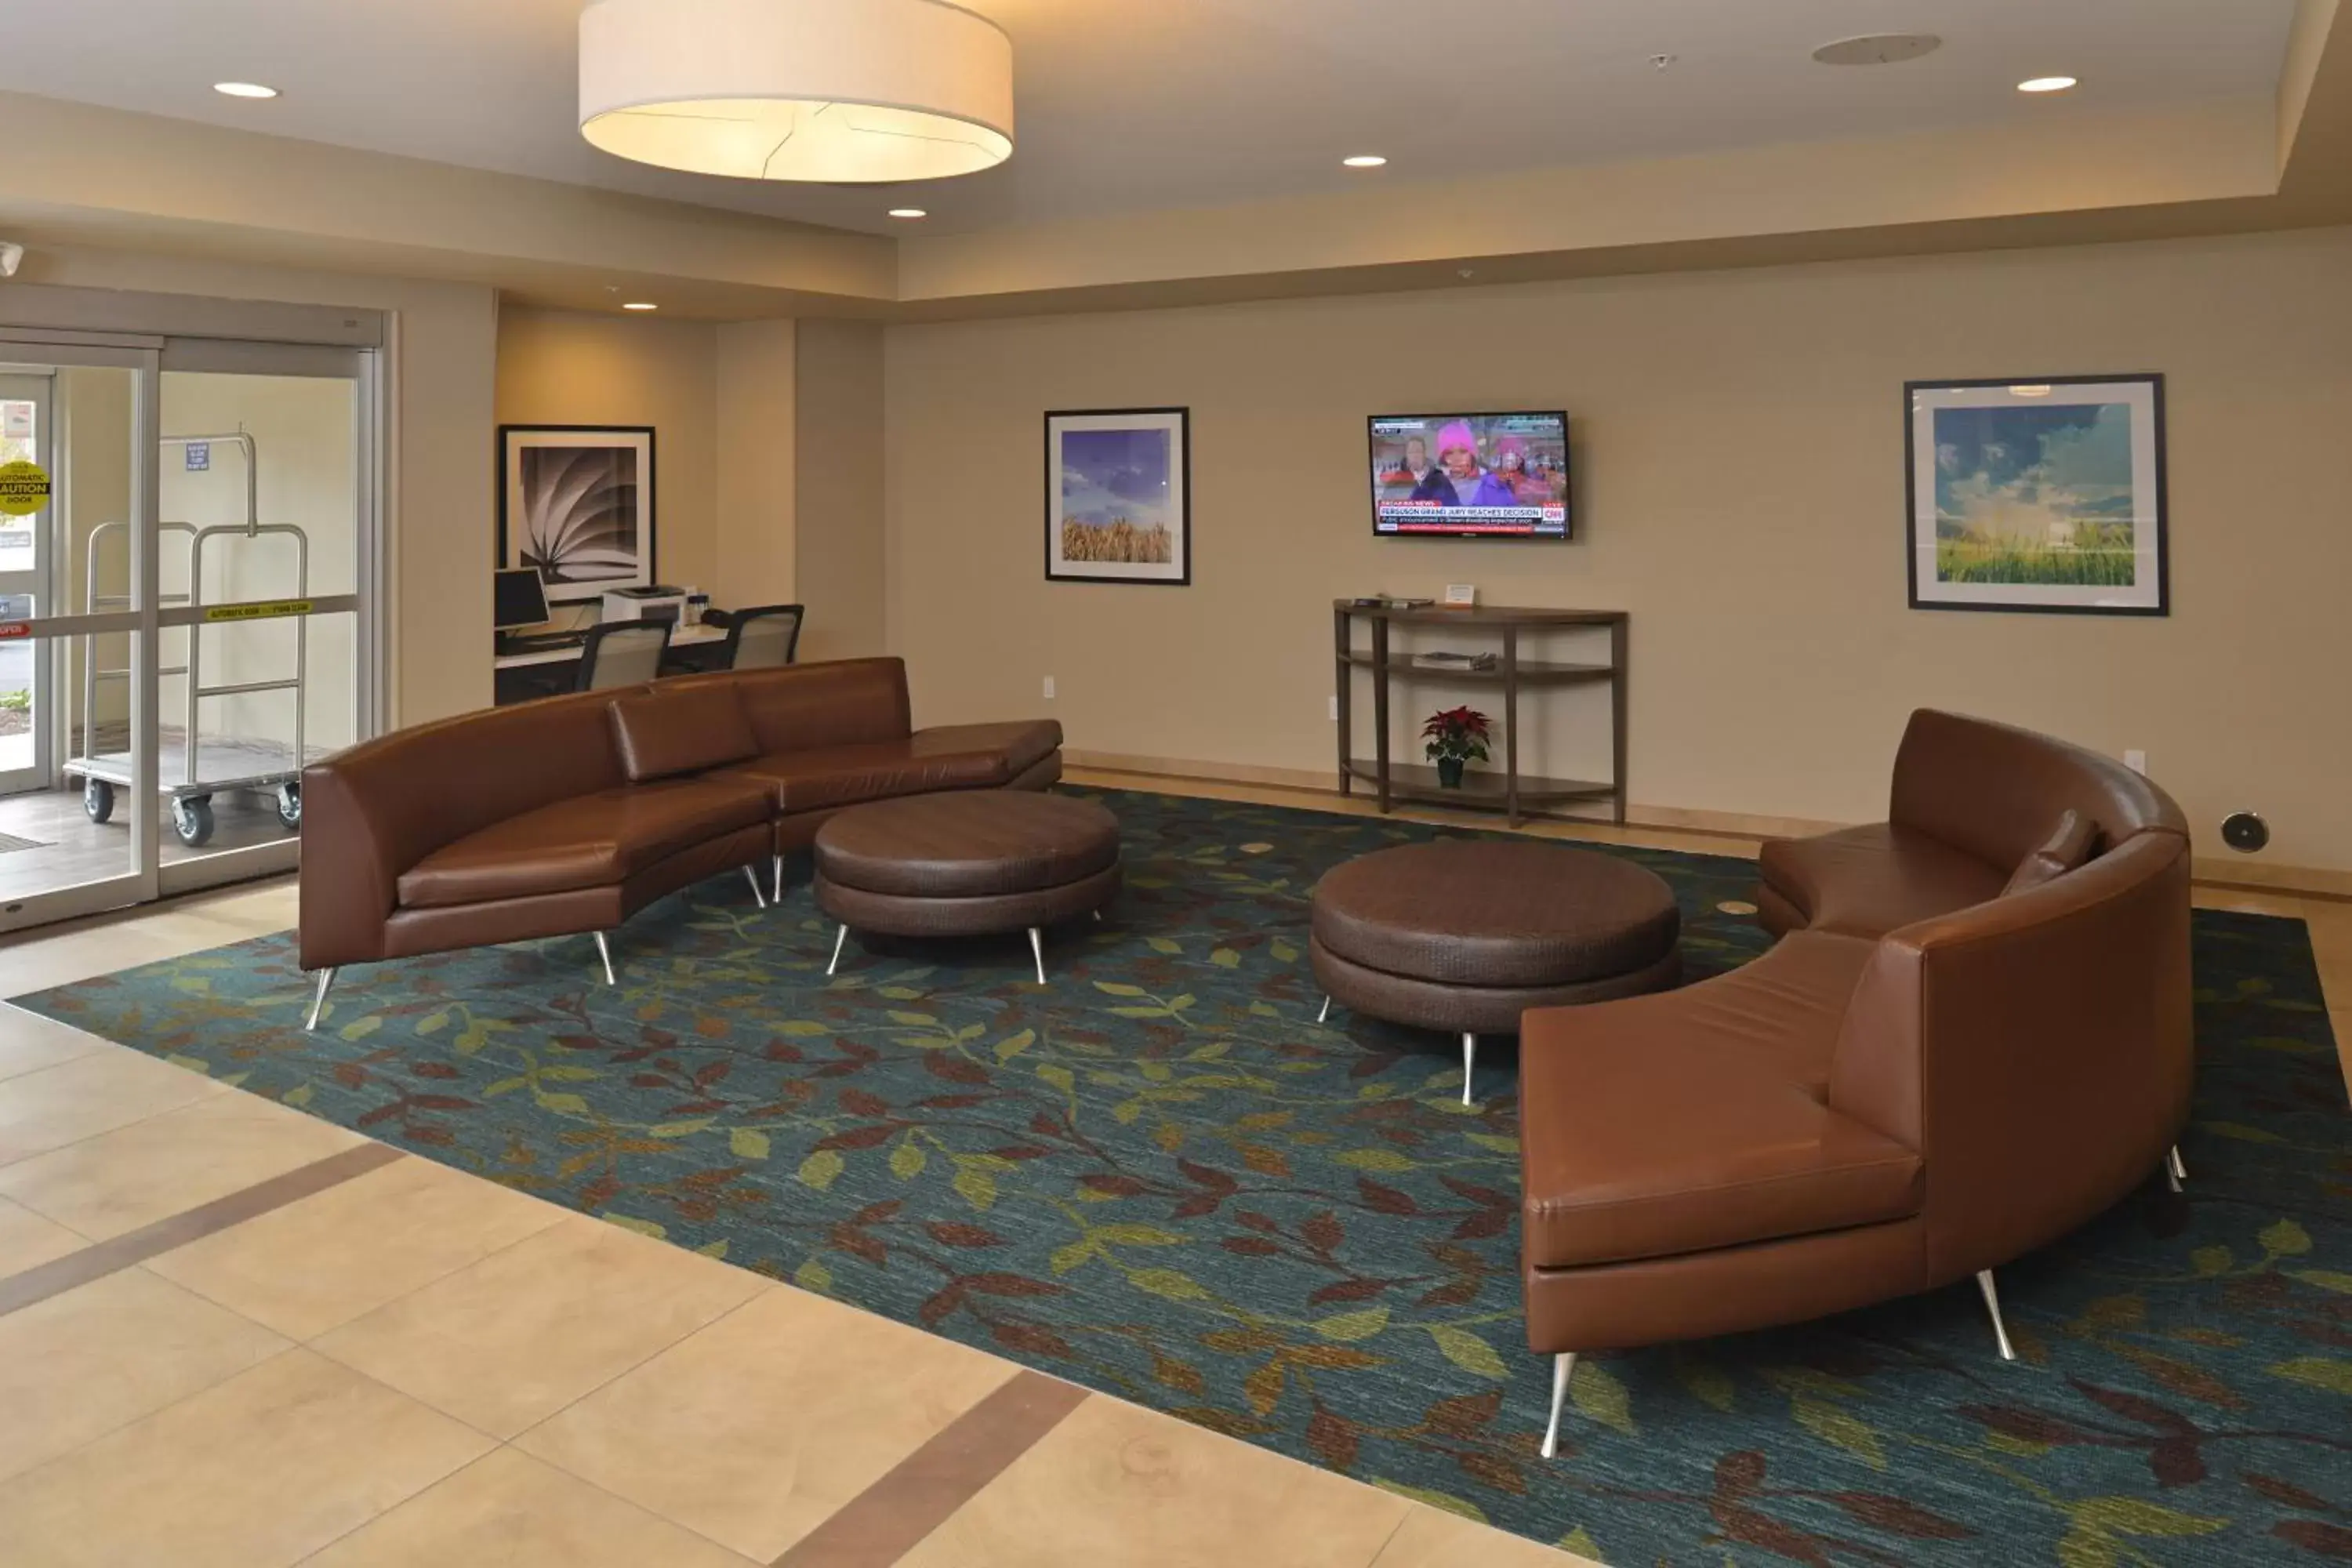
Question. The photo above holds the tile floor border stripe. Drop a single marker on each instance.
(101, 1259)
(887, 1520)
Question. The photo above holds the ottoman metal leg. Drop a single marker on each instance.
(839, 943)
(776, 879)
(1037, 951)
(2175, 1171)
(1563, 1367)
(604, 952)
(1325, 1015)
(1469, 1063)
(759, 896)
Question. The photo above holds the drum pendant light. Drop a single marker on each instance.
(834, 91)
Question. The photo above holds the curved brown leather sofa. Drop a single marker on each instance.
(1932, 1073)
(565, 817)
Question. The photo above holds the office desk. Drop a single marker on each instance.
(549, 672)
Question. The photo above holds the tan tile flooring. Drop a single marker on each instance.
(234, 1335)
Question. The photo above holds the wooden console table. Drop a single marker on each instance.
(1506, 792)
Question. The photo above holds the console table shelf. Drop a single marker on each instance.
(1506, 791)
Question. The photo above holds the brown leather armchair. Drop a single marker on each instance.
(1860, 1113)
(563, 817)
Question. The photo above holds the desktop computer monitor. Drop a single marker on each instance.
(521, 600)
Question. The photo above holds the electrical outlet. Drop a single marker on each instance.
(1334, 710)
(2136, 761)
(1049, 688)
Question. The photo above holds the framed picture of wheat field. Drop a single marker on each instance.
(1118, 496)
(2043, 495)
(576, 505)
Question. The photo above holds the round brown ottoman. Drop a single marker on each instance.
(1464, 935)
(975, 863)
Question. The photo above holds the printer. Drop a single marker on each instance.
(658, 603)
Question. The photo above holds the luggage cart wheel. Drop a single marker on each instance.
(97, 799)
(289, 807)
(192, 818)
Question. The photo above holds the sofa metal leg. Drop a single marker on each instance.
(1563, 1367)
(839, 942)
(1469, 1063)
(318, 997)
(605, 952)
(2175, 1171)
(1325, 1015)
(758, 895)
(776, 879)
(1992, 1305)
(1037, 951)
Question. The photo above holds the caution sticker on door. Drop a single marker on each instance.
(24, 488)
(270, 612)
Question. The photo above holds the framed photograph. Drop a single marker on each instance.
(1118, 496)
(2038, 495)
(576, 505)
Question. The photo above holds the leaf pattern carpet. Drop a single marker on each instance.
(1159, 1178)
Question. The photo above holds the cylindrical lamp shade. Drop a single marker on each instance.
(836, 91)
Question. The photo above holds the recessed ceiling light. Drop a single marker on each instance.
(1365, 161)
(908, 212)
(2046, 84)
(640, 305)
(2029, 391)
(244, 90)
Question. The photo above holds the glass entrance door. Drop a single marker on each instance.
(187, 580)
(266, 487)
(77, 481)
(26, 525)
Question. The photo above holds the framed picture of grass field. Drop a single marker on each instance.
(2038, 495)
(1118, 496)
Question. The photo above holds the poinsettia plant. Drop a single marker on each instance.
(1456, 734)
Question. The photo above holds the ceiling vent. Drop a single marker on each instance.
(1878, 50)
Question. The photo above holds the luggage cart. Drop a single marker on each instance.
(192, 765)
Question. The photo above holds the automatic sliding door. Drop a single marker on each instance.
(76, 515)
(266, 487)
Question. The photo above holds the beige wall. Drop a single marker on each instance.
(444, 347)
(757, 404)
(1740, 444)
(840, 571)
(556, 367)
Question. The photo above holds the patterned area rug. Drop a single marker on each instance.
(1159, 1178)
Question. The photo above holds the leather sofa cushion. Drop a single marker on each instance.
(833, 776)
(1477, 912)
(1867, 881)
(1023, 742)
(1696, 1119)
(2069, 845)
(589, 841)
(661, 731)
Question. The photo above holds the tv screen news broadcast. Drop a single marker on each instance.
(1470, 476)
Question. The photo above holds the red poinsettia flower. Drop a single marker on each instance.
(1458, 733)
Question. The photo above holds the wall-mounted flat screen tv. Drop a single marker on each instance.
(1470, 476)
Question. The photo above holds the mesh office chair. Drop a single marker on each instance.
(765, 638)
(624, 653)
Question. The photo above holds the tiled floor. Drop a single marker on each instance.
(230, 1335)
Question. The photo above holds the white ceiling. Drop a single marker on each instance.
(1128, 104)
